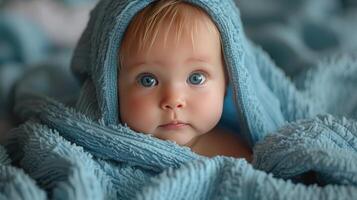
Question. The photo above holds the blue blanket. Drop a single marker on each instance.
(73, 157)
(304, 141)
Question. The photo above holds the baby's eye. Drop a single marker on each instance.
(196, 78)
(147, 80)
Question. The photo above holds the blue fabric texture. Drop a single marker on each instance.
(304, 141)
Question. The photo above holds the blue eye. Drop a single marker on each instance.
(147, 80)
(197, 78)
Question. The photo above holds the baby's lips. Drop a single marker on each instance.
(174, 125)
(175, 122)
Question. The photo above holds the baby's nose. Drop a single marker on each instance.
(173, 100)
(173, 105)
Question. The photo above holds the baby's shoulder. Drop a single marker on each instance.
(223, 142)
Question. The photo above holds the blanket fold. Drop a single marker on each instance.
(103, 141)
(303, 147)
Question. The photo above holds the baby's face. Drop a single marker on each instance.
(174, 92)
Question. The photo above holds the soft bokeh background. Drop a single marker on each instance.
(37, 38)
(297, 33)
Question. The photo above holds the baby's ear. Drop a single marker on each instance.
(228, 90)
(226, 75)
(119, 61)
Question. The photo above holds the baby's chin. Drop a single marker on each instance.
(180, 138)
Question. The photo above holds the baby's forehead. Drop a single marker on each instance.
(166, 23)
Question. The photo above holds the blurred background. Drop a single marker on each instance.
(37, 38)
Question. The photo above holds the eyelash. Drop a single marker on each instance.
(140, 76)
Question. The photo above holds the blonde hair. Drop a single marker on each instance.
(167, 17)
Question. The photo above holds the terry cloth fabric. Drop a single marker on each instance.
(72, 157)
(84, 152)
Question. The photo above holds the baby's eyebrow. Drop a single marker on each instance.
(198, 59)
(139, 64)
(136, 66)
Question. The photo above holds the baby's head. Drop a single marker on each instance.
(172, 78)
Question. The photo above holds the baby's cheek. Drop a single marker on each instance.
(209, 109)
(136, 113)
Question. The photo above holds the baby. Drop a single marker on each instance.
(172, 79)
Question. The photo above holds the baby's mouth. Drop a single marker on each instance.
(174, 125)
